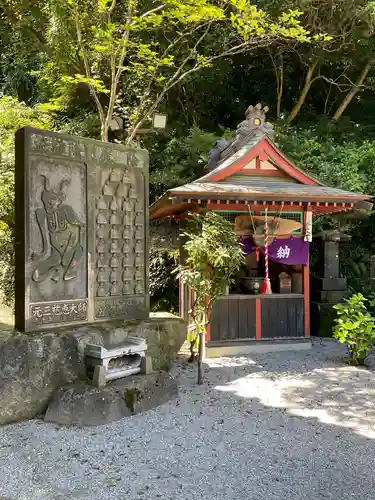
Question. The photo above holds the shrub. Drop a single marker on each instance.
(355, 327)
(13, 115)
(213, 256)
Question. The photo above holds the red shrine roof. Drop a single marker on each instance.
(250, 170)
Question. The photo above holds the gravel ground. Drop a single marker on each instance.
(290, 426)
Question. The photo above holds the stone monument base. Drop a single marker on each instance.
(322, 318)
(34, 366)
(83, 405)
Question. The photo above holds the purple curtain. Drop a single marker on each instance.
(291, 251)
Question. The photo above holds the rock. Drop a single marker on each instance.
(34, 366)
(83, 405)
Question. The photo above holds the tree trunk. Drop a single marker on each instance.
(279, 74)
(305, 90)
(200, 356)
(104, 132)
(353, 91)
(279, 93)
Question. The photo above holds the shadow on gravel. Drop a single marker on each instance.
(309, 420)
(282, 426)
(312, 385)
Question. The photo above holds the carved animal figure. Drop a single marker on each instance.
(62, 237)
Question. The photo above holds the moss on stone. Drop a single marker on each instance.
(131, 397)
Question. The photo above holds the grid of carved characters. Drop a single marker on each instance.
(119, 237)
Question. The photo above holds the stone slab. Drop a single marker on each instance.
(131, 345)
(215, 350)
(81, 231)
(332, 296)
(329, 261)
(146, 365)
(322, 318)
(84, 405)
(164, 335)
(99, 378)
(329, 284)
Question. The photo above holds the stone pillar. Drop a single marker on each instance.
(328, 288)
(372, 273)
(183, 289)
(297, 279)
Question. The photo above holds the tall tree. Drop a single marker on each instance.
(341, 58)
(152, 46)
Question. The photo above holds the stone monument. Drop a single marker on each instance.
(329, 288)
(81, 231)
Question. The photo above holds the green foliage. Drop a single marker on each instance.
(149, 48)
(341, 160)
(114, 39)
(84, 124)
(213, 258)
(343, 156)
(22, 47)
(163, 284)
(179, 159)
(355, 327)
(249, 20)
(13, 115)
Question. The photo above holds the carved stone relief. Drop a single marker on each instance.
(120, 240)
(80, 231)
(61, 234)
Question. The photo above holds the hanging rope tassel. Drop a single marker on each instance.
(267, 283)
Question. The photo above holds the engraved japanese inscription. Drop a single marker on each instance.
(59, 312)
(81, 243)
(119, 308)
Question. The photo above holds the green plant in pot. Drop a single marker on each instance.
(355, 327)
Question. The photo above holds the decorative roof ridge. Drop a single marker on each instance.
(239, 144)
(254, 125)
(231, 158)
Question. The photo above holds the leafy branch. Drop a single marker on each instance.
(213, 258)
(114, 39)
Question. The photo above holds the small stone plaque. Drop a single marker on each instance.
(81, 243)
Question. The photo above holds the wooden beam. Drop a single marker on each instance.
(244, 207)
(306, 290)
(258, 319)
(169, 210)
(278, 174)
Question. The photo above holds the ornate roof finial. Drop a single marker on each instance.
(254, 123)
(255, 120)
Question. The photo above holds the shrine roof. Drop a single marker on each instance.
(242, 147)
(269, 189)
(250, 168)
